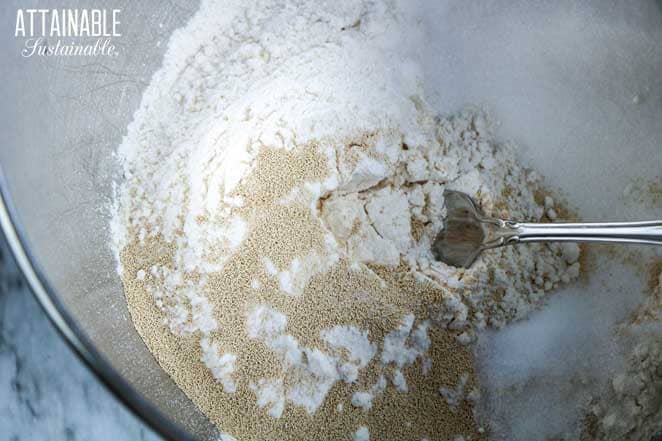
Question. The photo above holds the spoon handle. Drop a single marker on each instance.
(649, 232)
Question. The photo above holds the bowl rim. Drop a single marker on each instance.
(71, 331)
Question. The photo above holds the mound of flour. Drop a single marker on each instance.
(283, 182)
(631, 407)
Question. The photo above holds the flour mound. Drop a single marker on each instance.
(631, 407)
(283, 183)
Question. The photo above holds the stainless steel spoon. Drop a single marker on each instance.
(468, 232)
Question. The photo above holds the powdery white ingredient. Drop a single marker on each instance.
(316, 376)
(388, 211)
(293, 279)
(375, 224)
(367, 173)
(399, 381)
(310, 372)
(631, 406)
(270, 393)
(207, 113)
(363, 399)
(455, 396)
(541, 374)
(342, 214)
(188, 311)
(265, 323)
(220, 365)
(317, 371)
(402, 346)
(361, 434)
(352, 339)
(427, 365)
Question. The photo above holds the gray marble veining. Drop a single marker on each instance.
(46, 393)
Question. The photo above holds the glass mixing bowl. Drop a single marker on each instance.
(578, 85)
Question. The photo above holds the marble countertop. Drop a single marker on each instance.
(46, 393)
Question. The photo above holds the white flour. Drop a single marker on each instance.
(312, 372)
(361, 434)
(243, 78)
(631, 406)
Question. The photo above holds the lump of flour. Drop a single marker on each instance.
(631, 407)
(283, 182)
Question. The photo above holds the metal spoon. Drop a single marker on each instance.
(468, 232)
